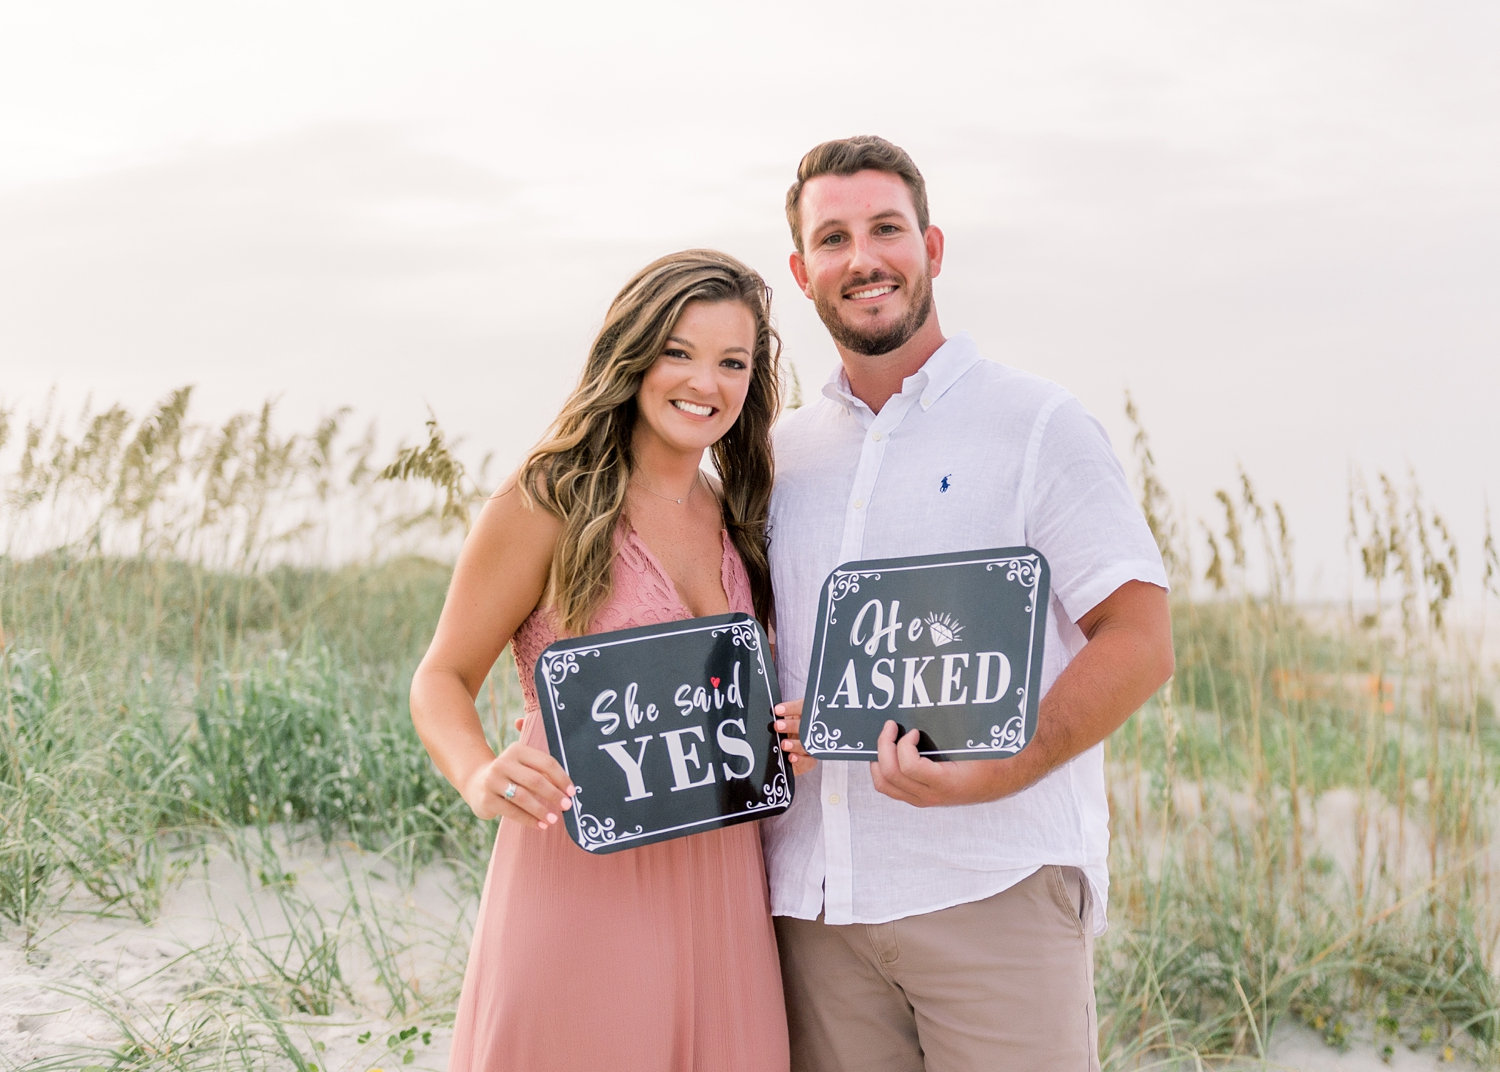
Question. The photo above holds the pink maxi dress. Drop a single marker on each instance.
(660, 958)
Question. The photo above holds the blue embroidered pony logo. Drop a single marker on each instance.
(946, 484)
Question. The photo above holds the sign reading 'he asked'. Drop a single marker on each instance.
(947, 644)
(664, 729)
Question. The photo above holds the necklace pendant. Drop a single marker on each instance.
(669, 498)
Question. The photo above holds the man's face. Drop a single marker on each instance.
(864, 263)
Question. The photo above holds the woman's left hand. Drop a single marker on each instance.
(789, 724)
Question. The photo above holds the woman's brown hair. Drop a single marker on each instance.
(581, 470)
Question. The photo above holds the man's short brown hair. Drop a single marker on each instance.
(845, 156)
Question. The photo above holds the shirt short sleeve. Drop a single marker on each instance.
(1080, 513)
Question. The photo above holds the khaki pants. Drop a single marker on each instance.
(1000, 985)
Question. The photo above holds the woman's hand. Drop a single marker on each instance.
(523, 783)
(500, 578)
(789, 724)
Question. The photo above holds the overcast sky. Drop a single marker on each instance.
(1277, 224)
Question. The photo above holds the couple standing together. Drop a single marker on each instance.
(932, 916)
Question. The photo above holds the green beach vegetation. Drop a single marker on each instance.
(206, 637)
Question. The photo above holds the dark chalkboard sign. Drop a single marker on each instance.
(948, 644)
(664, 729)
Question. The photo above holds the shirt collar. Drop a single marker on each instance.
(929, 383)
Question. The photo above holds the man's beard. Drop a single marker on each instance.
(883, 342)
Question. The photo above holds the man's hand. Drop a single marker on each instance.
(902, 773)
(1127, 657)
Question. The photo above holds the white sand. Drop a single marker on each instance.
(84, 979)
(90, 978)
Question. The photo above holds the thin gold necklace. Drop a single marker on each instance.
(670, 498)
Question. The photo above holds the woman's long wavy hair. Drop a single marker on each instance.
(581, 469)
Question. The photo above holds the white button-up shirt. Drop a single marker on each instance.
(969, 455)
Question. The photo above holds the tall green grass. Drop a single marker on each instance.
(207, 634)
(206, 630)
(1303, 816)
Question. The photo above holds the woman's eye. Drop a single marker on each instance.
(674, 353)
(734, 363)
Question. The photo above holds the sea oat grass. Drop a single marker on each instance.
(202, 652)
(1303, 818)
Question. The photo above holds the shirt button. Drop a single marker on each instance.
(877, 436)
(833, 798)
(859, 504)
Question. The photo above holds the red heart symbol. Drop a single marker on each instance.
(714, 681)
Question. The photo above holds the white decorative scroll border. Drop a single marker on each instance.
(1025, 570)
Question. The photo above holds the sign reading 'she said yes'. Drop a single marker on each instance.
(948, 644)
(665, 730)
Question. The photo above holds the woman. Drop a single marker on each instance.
(660, 957)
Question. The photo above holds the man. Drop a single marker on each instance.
(940, 915)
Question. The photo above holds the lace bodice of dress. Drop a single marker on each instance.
(643, 594)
